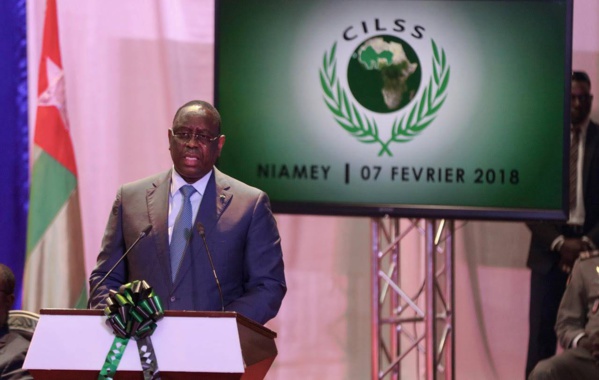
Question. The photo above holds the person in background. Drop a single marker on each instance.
(577, 326)
(213, 242)
(13, 347)
(555, 246)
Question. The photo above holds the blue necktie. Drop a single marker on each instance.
(181, 230)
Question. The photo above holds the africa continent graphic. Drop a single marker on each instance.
(384, 74)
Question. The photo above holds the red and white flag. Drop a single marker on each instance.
(54, 267)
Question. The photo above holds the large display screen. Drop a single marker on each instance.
(449, 109)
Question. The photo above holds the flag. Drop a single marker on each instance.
(54, 268)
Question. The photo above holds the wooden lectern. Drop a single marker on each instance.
(72, 345)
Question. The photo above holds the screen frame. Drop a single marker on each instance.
(430, 210)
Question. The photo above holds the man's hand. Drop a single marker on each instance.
(569, 252)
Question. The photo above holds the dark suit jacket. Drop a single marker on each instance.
(540, 257)
(241, 235)
(13, 348)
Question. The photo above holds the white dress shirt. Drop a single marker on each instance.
(175, 199)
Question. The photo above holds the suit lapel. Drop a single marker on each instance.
(592, 140)
(215, 200)
(157, 200)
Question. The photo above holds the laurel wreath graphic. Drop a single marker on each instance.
(365, 129)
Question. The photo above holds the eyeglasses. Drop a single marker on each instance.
(581, 98)
(185, 137)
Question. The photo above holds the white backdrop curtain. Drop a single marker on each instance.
(130, 64)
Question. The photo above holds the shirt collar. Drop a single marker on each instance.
(583, 125)
(177, 182)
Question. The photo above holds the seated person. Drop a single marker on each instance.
(13, 347)
(577, 326)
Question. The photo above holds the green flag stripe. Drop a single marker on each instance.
(51, 186)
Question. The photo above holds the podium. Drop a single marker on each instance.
(73, 344)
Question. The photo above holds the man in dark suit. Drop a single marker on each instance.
(241, 237)
(555, 246)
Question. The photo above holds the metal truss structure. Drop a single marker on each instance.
(412, 299)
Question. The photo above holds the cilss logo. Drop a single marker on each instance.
(384, 76)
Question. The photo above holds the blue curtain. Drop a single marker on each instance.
(14, 137)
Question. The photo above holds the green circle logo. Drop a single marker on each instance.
(384, 74)
(384, 92)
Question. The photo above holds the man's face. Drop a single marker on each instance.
(6, 301)
(194, 158)
(581, 101)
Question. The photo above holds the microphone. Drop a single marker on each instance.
(142, 235)
(220, 291)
